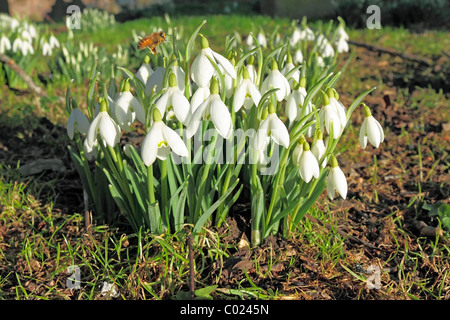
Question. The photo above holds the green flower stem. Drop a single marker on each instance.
(150, 186)
(164, 189)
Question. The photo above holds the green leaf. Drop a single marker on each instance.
(205, 292)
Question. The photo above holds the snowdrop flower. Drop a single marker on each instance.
(371, 130)
(249, 41)
(17, 45)
(202, 70)
(273, 127)
(340, 32)
(212, 108)
(307, 34)
(180, 75)
(26, 36)
(127, 107)
(298, 150)
(307, 164)
(251, 69)
(261, 37)
(54, 43)
(174, 101)
(46, 49)
(104, 125)
(287, 68)
(324, 46)
(246, 93)
(341, 110)
(5, 44)
(298, 56)
(77, 122)
(155, 81)
(276, 80)
(159, 140)
(318, 148)
(336, 180)
(329, 117)
(90, 151)
(295, 100)
(319, 61)
(342, 45)
(144, 71)
(295, 37)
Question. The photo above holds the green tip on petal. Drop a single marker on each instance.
(326, 99)
(103, 104)
(303, 82)
(306, 146)
(147, 59)
(274, 65)
(245, 74)
(205, 43)
(125, 86)
(172, 80)
(264, 114)
(271, 108)
(330, 93)
(333, 161)
(367, 112)
(156, 115)
(289, 58)
(214, 86)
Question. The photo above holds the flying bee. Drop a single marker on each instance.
(152, 41)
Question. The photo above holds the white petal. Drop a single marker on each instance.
(180, 106)
(149, 148)
(200, 95)
(195, 120)
(175, 142)
(220, 116)
(225, 63)
(108, 130)
(93, 129)
(291, 106)
(339, 181)
(362, 135)
(254, 92)
(138, 109)
(239, 96)
(308, 166)
(162, 102)
(278, 131)
(381, 130)
(373, 133)
(330, 186)
(202, 70)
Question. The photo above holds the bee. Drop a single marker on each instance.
(152, 41)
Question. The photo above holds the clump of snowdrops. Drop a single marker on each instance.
(213, 123)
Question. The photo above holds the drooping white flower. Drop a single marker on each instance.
(330, 118)
(77, 122)
(307, 34)
(274, 128)
(212, 109)
(308, 165)
(342, 45)
(173, 100)
(318, 148)
(104, 125)
(5, 44)
(295, 37)
(144, 71)
(261, 37)
(127, 108)
(46, 49)
(276, 80)
(298, 56)
(54, 43)
(371, 130)
(159, 140)
(336, 180)
(295, 102)
(246, 93)
(324, 46)
(202, 70)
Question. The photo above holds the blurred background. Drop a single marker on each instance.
(416, 14)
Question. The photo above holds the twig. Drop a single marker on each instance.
(392, 52)
(17, 69)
